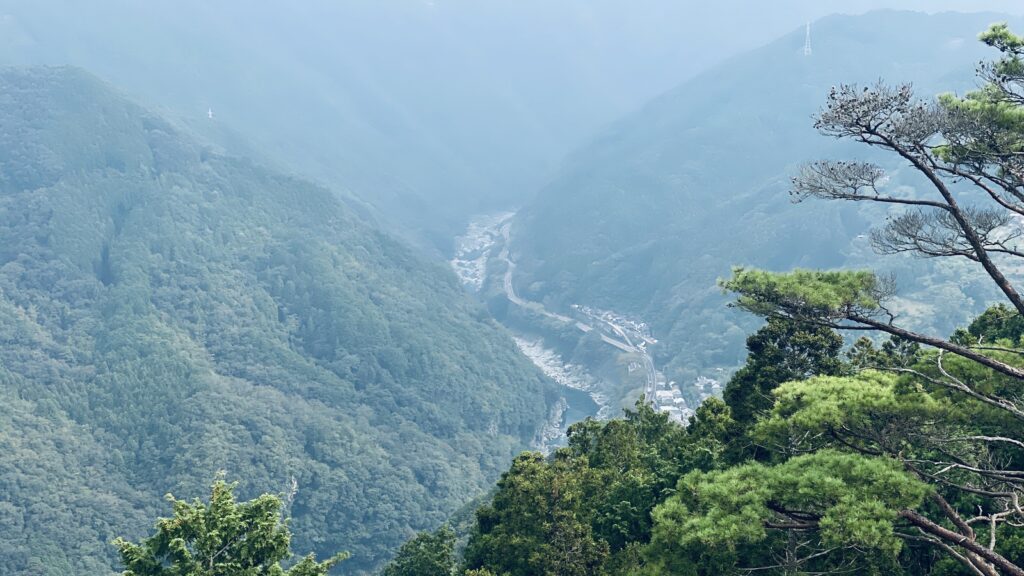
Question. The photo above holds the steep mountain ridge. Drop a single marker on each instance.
(168, 312)
(645, 218)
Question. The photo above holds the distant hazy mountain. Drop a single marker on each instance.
(167, 312)
(646, 217)
(429, 111)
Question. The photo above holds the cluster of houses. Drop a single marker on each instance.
(707, 387)
(635, 336)
(668, 398)
(638, 330)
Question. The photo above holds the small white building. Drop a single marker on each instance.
(664, 397)
(673, 413)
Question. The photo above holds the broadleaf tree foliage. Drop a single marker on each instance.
(428, 554)
(220, 538)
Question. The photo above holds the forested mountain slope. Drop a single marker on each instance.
(167, 312)
(645, 218)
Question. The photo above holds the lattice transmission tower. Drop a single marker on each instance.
(807, 41)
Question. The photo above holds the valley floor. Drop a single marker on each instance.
(486, 242)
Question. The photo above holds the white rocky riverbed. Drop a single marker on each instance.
(473, 249)
(569, 375)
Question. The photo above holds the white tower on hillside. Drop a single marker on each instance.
(807, 41)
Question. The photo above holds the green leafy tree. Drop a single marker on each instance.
(221, 538)
(587, 508)
(536, 523)
(428, 554)
(997, 323)
(779, 352)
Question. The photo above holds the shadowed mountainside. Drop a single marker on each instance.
(167, 312)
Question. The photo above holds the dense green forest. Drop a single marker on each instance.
(173, 311)
(167, 312)
(648, 216)
(896, 456)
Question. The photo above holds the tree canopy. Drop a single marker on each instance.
(953, 419)
(220, 538)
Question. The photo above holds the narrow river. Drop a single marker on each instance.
(473, 250)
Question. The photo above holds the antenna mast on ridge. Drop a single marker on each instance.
(807, 41)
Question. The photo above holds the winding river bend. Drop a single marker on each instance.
(486, 239)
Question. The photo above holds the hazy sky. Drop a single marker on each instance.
(476, 101)
(697, 34)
